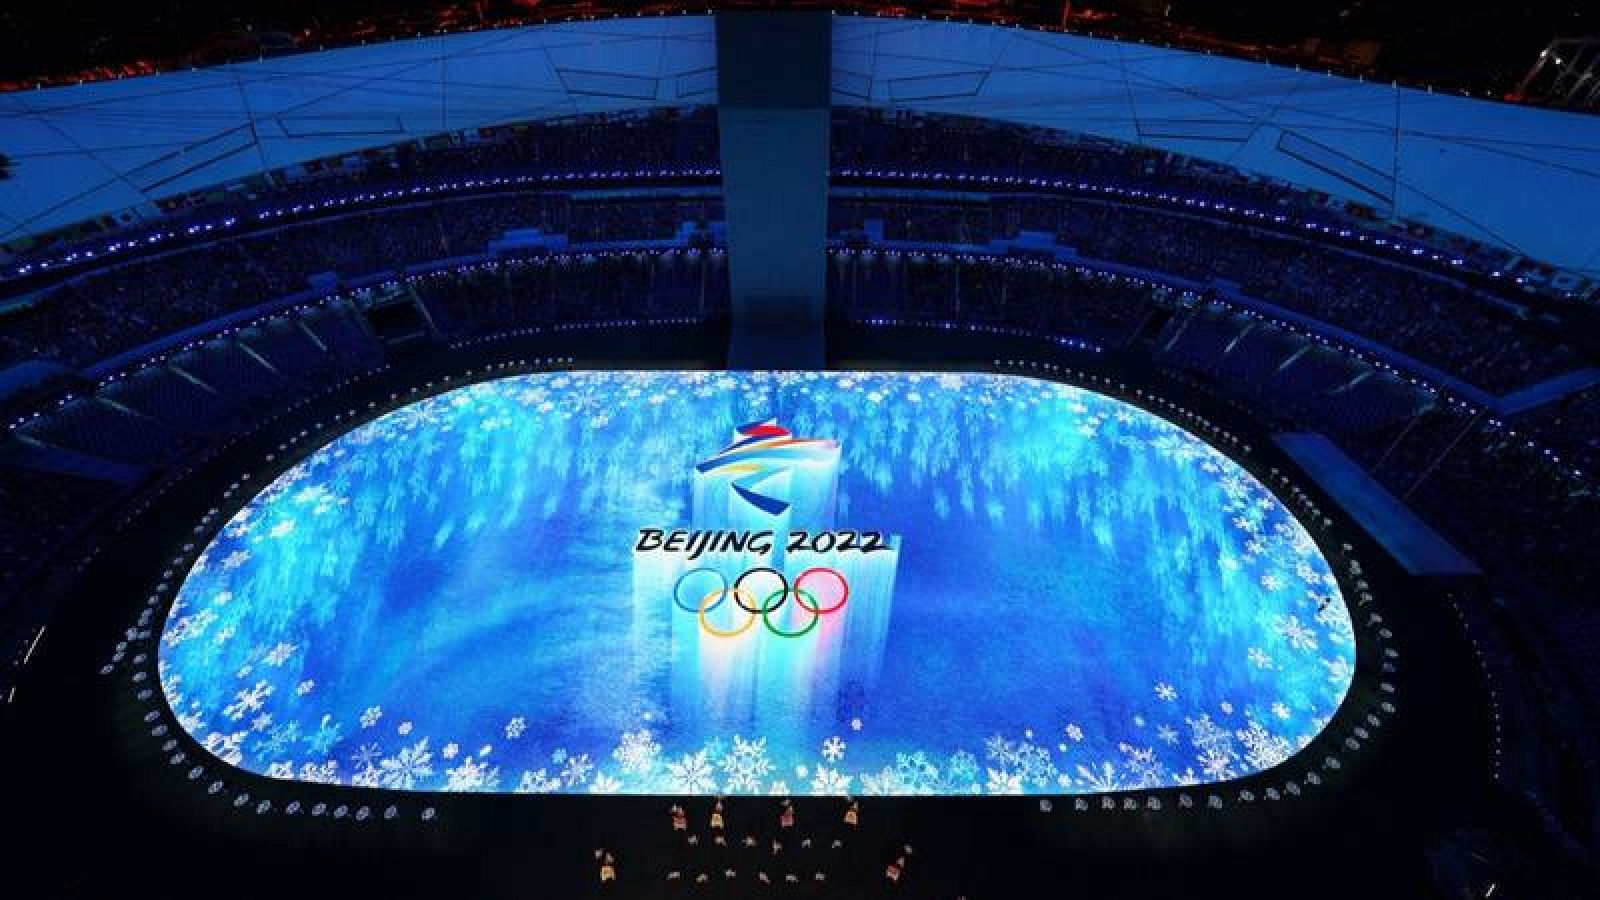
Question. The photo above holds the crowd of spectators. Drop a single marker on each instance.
(1038, 296)
(40, 510)
(565, 288)
(670, 139)
(1438, 321)
(121, 308)
(906, 142)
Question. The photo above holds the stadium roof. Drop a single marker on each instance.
(1522, 178)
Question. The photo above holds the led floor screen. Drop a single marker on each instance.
(760, 583)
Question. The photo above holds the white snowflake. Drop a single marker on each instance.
(409, 766)
(1166, 691)
(1167, 734)
(472, 774)
(323, 773)
(226, 747)
(1299, 635)
(1142, 764)
(450, 750)
(830, 781)
(1074, 732)
(1338, 669)
(248, 701)
(691, 773)
(370, 716)
(279, 654)
(746, 765)
(1263, 749)
(1280, 710)
(515, 728)
(855, 724)
(537, 783)
(833, 749)
(1217, 765)
(367, 756)
(1259, 658)
(638, 752)
(576, 771)
(305, 687)
(1003, 782)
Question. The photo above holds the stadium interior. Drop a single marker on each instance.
(1379, 301)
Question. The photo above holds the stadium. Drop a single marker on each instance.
(831, 451)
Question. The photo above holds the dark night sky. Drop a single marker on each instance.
(1454, 44)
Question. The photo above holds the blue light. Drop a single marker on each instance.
(1087, 599)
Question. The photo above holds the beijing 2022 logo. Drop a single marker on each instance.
(756, 502)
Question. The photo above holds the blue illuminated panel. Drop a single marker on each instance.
(754, 583)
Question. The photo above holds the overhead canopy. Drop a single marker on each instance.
(1522, 178)
(1517, 177)
(81, 152)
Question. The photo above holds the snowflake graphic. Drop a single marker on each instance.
(248, 701)
(962, 767)
(999, 749)
(915, 773)
(576, 771)
(1003, 782)
(1142, 765)
(1166, 691)
(323, 773)
(637, 753)
(691, 773)
(515, 728)
(1263, 749)
(472, 774)
(1338, 669)
(833, 749)
(226, 746)
(1102, 780)
(830, 781)
(279, 654)
(319, 742)
(366, 757)
(537, 783)
(746, 765)
(409, 766)
(370, 716)
(1216, 764)
(1299, 635)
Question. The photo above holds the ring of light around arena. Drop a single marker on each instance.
(1050, 591)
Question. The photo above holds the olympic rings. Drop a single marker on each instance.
(705, 604)
(781, 593)
(815, 618)
(677, 590)
(844, 590)
(804, 598)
